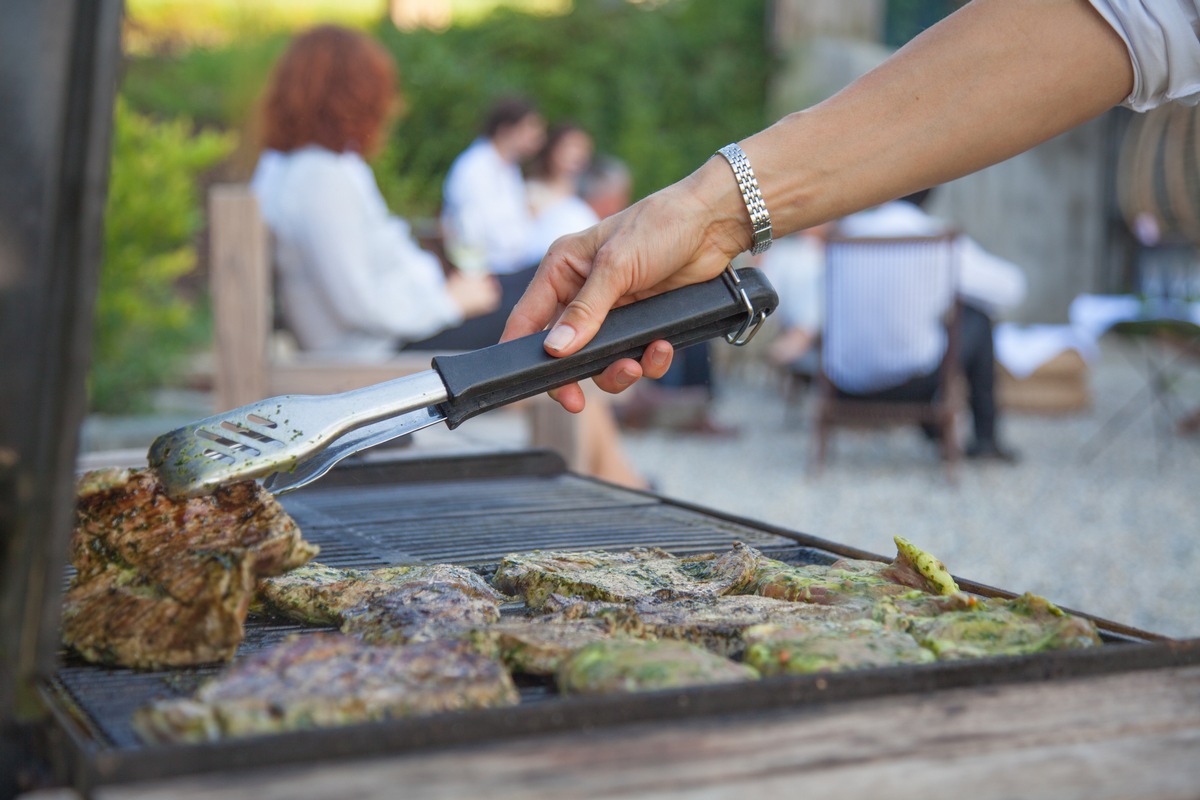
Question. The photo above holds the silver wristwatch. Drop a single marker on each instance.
(760, 218)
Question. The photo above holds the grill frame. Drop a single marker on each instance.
(85, 752)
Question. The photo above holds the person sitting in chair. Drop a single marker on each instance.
(986, 284)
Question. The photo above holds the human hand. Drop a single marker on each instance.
(475, 294)
(676, 237)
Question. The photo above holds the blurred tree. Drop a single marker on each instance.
(144, 326)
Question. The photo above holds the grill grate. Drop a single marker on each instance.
(467, 522)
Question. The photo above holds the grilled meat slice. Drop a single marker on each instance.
(537, 646)
(418, 612)
(125, 517)
(854, 582)
(637, 665)
(162, 582)
(327, 679)
(321, 595)
(714, 623)
(830, 646)
(638, 574)
(118, 617)
(1025, 624)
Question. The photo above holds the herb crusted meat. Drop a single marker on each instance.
(162, 582)
(327, 679)
(639, 574)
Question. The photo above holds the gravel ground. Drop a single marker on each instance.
(1104, 521)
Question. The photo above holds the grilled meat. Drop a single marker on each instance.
(714, 623)
(162, 582)
(1025, 624)
(539, 645)
(321, 595)
(853, 582)
(830, 646)
(326, 679)
(417, 612)
(638, 665)
(635, 575)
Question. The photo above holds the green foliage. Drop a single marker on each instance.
(144, 325)
(660, 86)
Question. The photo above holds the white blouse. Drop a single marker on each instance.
(1163, 39)
(351, 280)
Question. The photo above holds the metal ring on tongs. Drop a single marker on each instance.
(754, 319)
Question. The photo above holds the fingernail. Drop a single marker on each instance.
(560, 336)
(658, 357)
(625, 377)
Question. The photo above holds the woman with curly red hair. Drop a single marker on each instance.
(352, 280)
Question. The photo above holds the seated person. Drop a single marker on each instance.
(352, 281)
(485, 210)
(986, 284)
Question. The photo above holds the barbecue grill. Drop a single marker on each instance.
(472, 509)
(72, 720)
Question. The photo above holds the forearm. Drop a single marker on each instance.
(991, 81)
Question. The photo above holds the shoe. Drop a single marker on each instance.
(990, 451)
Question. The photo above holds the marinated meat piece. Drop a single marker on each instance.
(321, 595)
(639, 574)
(418, 612)
(1025, 624)
(854, 582)
(714, 623)
(825, 646)
(162, 582)
(637, 665)
(326, 679)
(538, 646)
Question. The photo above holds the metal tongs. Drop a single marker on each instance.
(292, 440)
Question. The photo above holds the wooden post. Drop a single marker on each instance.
(239, 275)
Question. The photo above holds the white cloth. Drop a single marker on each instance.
(569, 214)
(352, 282)
(1163, 40)
(1021, 349)
(483, 202)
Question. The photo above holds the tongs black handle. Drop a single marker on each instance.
(504, 373)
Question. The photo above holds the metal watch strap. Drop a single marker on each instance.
(760, 218)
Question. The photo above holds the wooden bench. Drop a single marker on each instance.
(247, 365)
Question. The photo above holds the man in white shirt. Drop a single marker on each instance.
(484, 208)
(908, 368)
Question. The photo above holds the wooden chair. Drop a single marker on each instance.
(248, 366)
(875, 290)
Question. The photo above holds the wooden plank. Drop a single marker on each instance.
(1134, 734)
(239, 278)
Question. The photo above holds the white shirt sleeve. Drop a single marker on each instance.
(1163, 40)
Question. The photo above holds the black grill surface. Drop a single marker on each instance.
(472, 522)
(473, 512)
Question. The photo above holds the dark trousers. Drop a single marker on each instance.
(978, 360)
(485, 330)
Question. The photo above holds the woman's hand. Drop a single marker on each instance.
(672, 238)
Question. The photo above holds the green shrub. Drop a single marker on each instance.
(659, 85)
(145, 326)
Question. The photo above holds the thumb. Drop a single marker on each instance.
(581, 319)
